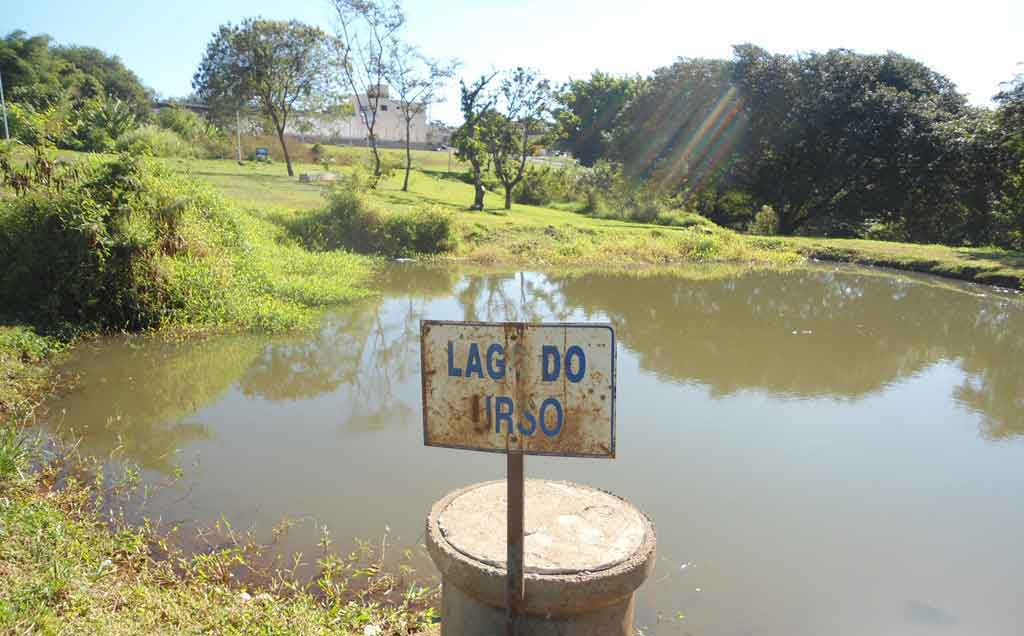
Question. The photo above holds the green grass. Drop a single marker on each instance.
(558, 235)
(542, 236)
(986, 265)
(24, 376)
(63, 570)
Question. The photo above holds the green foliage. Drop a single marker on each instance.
(43, 127)
(589, 114)
(37, 73)
(153, 141)
(83, 255)
(509, 134)
(113, 79)
(544, 185)
(680, 129)
(101, 122)
(1008, 212)
(857, 137)
(133, 245)
(182, 121)
(12, 453)
(469, 141)
(273, 66)
(351, 221)
(765, 222)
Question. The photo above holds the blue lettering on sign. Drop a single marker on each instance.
(496, 362)
(559, 417)
(502, 412)
(581, 368)
(551, 416)
(453, 371)
(551, 363)
(473, 364)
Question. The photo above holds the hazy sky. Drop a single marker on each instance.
(977, 43)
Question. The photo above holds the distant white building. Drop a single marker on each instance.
(389, 126)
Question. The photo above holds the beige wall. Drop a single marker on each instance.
(390, 124)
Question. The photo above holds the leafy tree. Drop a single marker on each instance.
(509, 134)
(1009, 119)
(37, 73)
(476, 103)
(589, 112)
(274, 66)
(31, 74)
(417, 80)
(837, 139)
(367, 31)
(116, 80)
(682, 127)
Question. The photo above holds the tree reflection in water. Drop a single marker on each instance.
(818, 333)
(843, 334)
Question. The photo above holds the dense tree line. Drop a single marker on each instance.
(38, 73)
(835, 143)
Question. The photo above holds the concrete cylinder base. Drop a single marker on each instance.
(586, 552)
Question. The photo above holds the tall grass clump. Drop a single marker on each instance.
(543, 185)
(154, 141)
(83, 253)
(131, 245)
(351, 221)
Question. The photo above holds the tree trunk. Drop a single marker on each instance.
(284, 149)
(508, 197)
(376, 157)
(478, 189)
(408, 156)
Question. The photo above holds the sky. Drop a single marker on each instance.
(978, 43)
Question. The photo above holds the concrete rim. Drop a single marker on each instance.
(547, 594)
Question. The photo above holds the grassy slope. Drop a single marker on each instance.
(557, 236)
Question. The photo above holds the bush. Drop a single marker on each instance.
(351, 221)
(544, 185)
(766, 221)
(153, 141)
(81, 254)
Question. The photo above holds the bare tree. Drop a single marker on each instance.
(416, 80)
(367, 31)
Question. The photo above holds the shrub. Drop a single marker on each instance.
(766, 221)
(154, 141)
(88, 253)
(544, 185)
(351, 221)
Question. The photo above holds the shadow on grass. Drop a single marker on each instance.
(1011, 260)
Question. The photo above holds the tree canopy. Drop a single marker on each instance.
(38, 73)
(834, 143)
(273, 66)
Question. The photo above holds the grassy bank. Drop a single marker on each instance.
(985, 265)
(559, 236)
(64, 571)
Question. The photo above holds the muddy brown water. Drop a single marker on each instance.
(824, 451)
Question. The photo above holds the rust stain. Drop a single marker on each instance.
(459, 405)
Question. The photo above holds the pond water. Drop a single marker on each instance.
(823, 451)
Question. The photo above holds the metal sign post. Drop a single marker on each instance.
(519, 389)
(515, 583)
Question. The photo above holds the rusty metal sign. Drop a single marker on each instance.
(538, 389)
